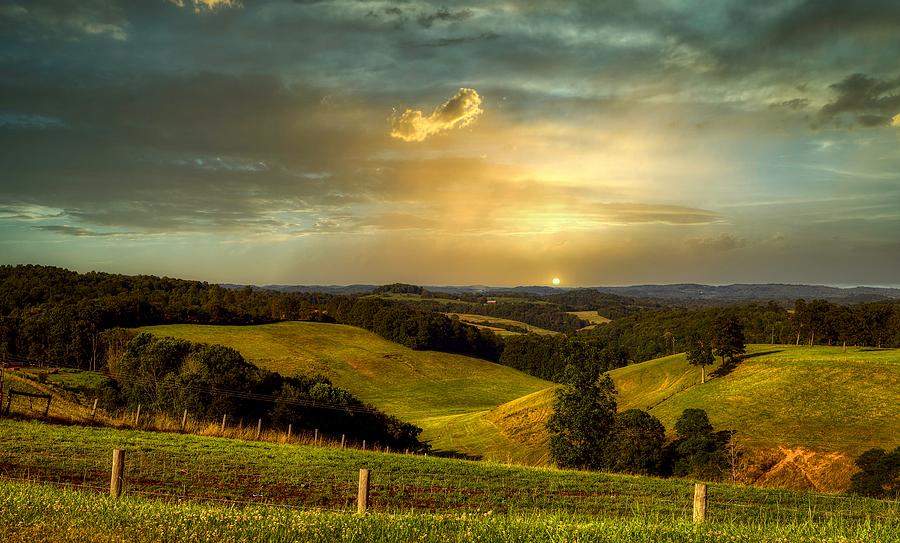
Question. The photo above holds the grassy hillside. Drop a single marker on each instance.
(806, 403)
(802, 413)
(424, 387)
(820, 398)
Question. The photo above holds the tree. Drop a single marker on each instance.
(728, 338)
(583, 419)
(700, 354)
(637, 443)
(879, 475)
(698, 451)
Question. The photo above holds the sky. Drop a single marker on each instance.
(498, 143)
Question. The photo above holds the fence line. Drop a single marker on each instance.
(178, 477)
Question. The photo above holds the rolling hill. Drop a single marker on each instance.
(445, 394)
(803, 412)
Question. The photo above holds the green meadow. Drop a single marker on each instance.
(445, 394)
(825, 399)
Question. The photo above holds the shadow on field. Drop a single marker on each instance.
(454, 454)
(728, 367)
(762, 353)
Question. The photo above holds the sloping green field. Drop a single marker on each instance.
(437, 391)
(817, 398)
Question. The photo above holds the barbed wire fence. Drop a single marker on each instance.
(186, 475)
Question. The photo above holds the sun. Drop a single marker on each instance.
(555, 281)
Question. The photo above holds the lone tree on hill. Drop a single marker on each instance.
(728, 338)
(700, 354)
(583, 420)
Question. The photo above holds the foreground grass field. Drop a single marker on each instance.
(185, 467)
(36, 513)
(431, 389)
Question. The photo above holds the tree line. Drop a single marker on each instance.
(55, 316)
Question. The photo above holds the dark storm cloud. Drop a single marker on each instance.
(185, 152)
(818, 21)
(870, 101)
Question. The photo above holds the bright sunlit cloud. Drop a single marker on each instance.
(459, 111)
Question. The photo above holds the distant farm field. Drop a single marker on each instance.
(492, 323)
(590, 316)
(437, 391)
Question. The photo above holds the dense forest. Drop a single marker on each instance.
(54, 316)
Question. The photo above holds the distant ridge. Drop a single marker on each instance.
(684, 293)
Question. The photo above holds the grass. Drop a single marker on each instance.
(185, 467)
(820, 398)
(496, 324)
(592, 317)
(423, 387)
(33, 513)
(789, 398)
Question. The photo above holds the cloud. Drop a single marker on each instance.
(443, 15)
(29, 120)
(722, 243)
(207, 5)
(72, 230)
(67, 20)
(869, 100)
(457, 112)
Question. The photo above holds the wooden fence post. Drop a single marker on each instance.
(258, 428)
(137, 415)
(316, 437)
(699, 503)
(94, 409)
(118, 468)
(47, 409)
(343, 437)
(364, 444)
(290, 429)
(184, 421)
(362, 500)
(223, 424)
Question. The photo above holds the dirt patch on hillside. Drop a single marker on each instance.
(799, 468)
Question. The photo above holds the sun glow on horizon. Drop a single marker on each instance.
(555, 281)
